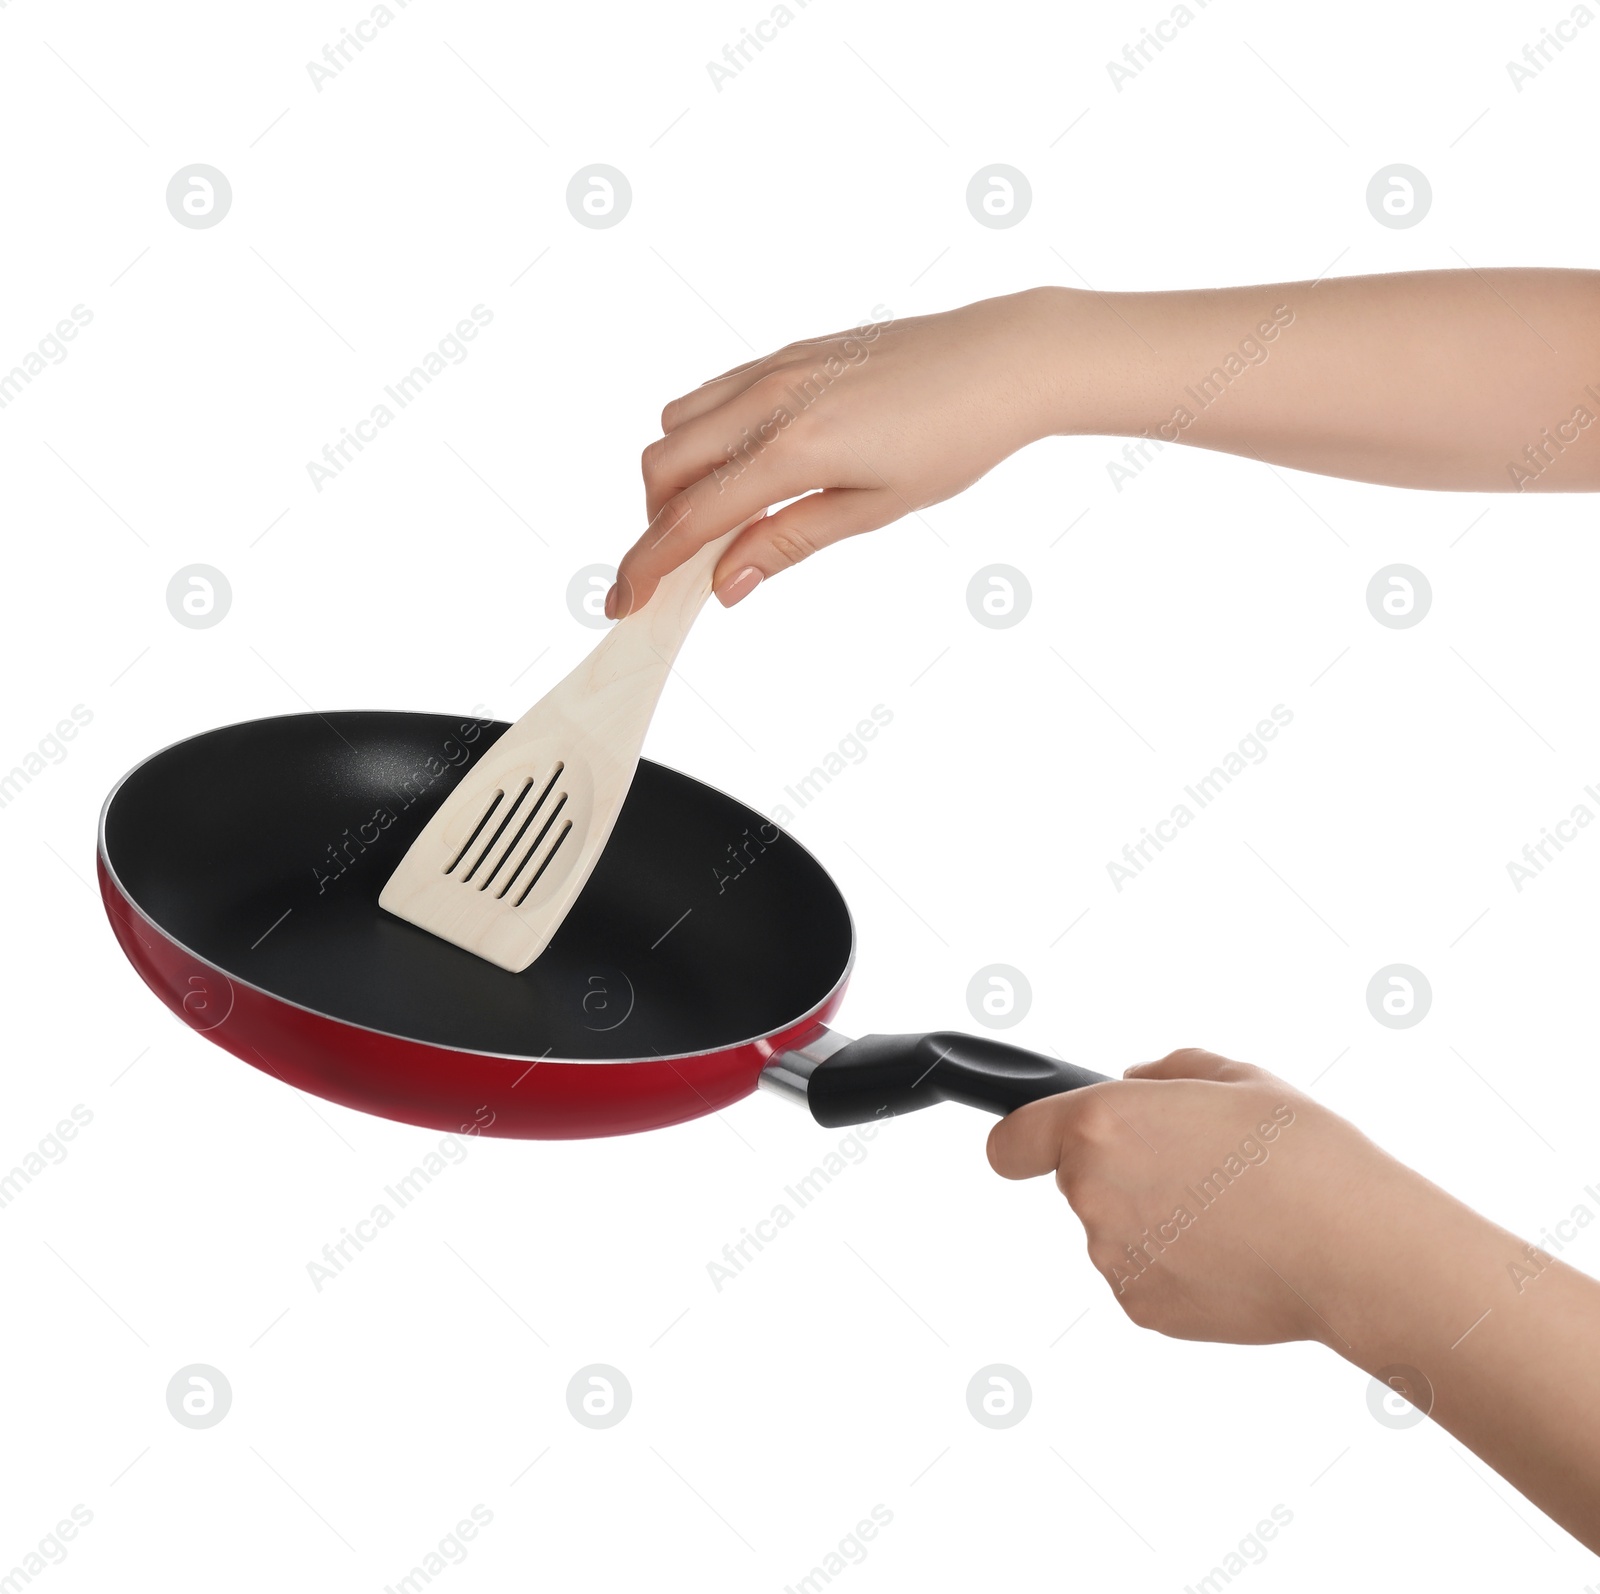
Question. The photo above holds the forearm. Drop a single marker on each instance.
(1479, 381)
(1504, 1335)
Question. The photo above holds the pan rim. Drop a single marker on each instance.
(103, 854)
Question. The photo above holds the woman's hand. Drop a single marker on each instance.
(1222, 1204)
(1217, 1200)
(869, 424)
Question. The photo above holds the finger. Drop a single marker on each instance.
(734, 433)
(1189, 1062)
(1029, 1141)
(687, 521)
(721, 389)
(681, 458)
(713, 394)
(729, 384)
(787, 350)
(747, 365)
(797, 531)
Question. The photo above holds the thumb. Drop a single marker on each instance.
(778, 541)
(1028, 1142)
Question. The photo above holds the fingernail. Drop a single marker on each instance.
(738, 586)
(611, 602)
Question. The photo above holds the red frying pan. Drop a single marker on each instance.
(241, 870)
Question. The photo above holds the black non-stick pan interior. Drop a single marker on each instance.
(262, 848)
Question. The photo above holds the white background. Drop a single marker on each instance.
(826, 178)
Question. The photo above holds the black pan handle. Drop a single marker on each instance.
(845, 1081)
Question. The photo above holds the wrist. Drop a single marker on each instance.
(1097, 373)
(1425, 1271)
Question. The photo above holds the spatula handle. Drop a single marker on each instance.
(680, 595)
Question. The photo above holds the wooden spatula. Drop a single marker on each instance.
(500, 864)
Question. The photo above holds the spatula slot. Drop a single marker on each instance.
(522, 830)
(499, 830)
(544, 830)
(466, 846)
(549, 856)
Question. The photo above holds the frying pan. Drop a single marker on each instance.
(241, 869)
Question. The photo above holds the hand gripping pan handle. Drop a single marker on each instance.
(843, 1081)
